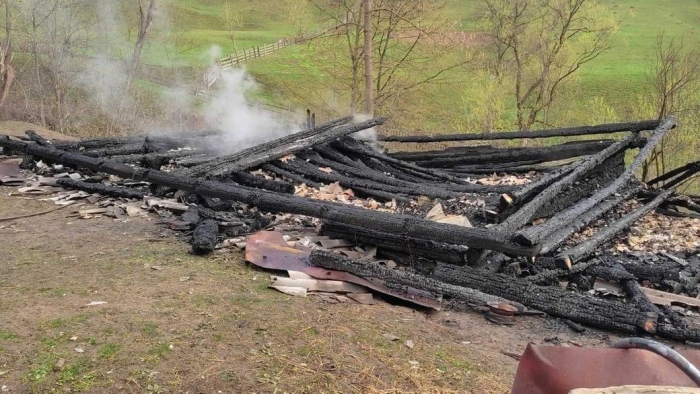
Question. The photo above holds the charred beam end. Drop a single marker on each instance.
(537, 234)
(204, 237)
(590, 245)
(112, 191)
(634, 127)
(337, 262)
(276, 202)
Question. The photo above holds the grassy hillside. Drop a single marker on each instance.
(295, 77)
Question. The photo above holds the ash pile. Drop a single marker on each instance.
(525, 230)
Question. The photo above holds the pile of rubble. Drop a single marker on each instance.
(479, 224)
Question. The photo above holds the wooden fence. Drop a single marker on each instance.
(236, 59)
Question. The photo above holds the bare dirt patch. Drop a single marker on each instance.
(176, 322)
(15, 128)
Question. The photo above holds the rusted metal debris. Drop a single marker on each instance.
(504, 213)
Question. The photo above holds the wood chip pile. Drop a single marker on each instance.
(465, 222)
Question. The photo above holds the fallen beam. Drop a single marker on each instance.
(536, 234)
(589, 246)
(259, 154)
(554, 240)
(527, 155)
(112, 191)
(453, 254)
(328, 260)
(634, 127)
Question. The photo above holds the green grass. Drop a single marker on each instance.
(295, 77)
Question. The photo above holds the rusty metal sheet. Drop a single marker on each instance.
(269, 250)
(554, 370)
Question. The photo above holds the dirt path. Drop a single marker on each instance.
(175, 322)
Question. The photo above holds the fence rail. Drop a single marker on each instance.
(235, 59)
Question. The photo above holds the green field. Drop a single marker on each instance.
(297, 77)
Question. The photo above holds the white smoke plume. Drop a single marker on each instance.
(244, 124)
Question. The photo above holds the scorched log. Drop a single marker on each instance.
(634, 127)
(112, 191)
(447, 253)
(587, 247)
(278, 148)
(554, 240)
(248, 179)
(353, 146)
(527, 155)
(578, 307)
(536, 234)
(329, 260)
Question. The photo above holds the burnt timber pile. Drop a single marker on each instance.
(466, 222)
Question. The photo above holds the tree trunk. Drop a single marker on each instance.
(145, 22)
(369, 96)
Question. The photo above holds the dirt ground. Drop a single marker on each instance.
(174, 322)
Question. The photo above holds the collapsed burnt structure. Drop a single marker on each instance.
(518, 249)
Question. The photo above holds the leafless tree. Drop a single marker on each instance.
(541, 44)
(233, 20)
(407, 47)
(674, 76)
(145, 14)
(7, 72)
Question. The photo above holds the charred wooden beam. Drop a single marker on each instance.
(586, 248)
(128, 149)
(248, 179)
(262, 153)
(333, 154)
(536, 186)
(351, 145)
(290, 175)
(276, 202)
(337, 262)
(310, 171)
(577, 307)
(154, 160)
(516, 167)
(112, 191)
(536, 234)
(420, 189)
(406, 174)
(448, 152)
(554, 240)
(674, 172)
(524, 155)
(527, 211)
(453, 254)
(634, 127)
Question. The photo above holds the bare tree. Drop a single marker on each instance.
(367, 48)
(674, 76)
(145, 22)
(233, 20)
(406, 43)
(541, 44)
(7, 72)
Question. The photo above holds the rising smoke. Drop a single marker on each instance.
(244, 123)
